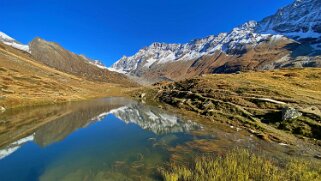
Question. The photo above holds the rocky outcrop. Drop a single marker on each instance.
(254, 100)
(290, 113)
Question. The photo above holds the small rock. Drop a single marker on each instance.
(152, 139)
(252, 131)
(7, 91)
(142, 95)
(290, 113)
(2, 109)
(283, 144)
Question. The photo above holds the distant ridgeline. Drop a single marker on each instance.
(289, 38)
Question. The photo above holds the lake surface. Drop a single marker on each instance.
(106, 139)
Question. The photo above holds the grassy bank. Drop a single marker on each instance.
(242, 165)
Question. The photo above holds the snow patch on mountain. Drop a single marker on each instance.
(97, 63)
(4, 38)
(15, 146)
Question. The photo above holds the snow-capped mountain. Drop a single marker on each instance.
(299, 20)
(291, 26)
(234, 42)
(13, 43)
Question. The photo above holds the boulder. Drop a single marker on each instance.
(290, 113)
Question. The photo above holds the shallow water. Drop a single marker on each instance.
(105, 139)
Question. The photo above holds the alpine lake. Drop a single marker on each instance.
(113, 139)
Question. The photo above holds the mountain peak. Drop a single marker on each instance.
(250, 25)
(299, 20)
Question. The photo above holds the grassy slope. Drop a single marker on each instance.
(24, 81)
(248, 100)
(242, 165)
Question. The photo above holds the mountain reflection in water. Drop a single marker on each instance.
(153, 119)
(61, 120)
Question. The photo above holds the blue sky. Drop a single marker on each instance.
(106, 30)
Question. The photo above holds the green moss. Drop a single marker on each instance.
(303, 126)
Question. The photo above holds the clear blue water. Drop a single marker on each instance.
(111, 139)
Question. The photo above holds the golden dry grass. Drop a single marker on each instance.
(25, 82)
(242, 165)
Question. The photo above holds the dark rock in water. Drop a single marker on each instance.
(290, 113)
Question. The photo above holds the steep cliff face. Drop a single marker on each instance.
(277, 41)
(53, 55)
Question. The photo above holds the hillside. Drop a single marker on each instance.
(25, 81)
(256, 101)
(53, 55)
